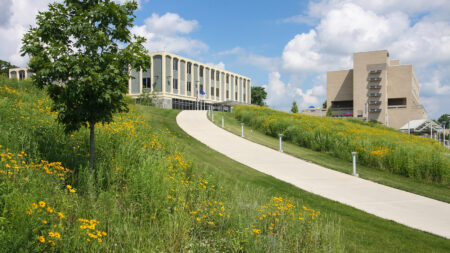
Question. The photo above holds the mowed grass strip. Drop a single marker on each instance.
(428, 189)
(360, 231)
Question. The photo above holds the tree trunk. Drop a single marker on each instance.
(91, 147)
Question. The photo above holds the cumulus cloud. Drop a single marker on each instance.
(281, 95)
(417, 33)
(233, 51)
(166, 33)
(219, 65)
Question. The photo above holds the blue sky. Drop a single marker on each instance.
(285, 46)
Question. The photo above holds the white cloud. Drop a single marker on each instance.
(267, 63)
(170, 24)
(219, 65)
(417, 33)
(165, 33)
(281, 95)
(235, 50)
(16, 18)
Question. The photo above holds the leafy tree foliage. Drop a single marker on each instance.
(80, 52)
(259, 94)
(445, 119)
(294, 108)
(324, 105)
(4, 67)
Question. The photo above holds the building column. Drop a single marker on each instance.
(163, 73)
(172, 76)
(140, 81)
(178, 76)
(185, 78)
(129, 80)
(152, 78)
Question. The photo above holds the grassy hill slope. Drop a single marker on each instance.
(156, 189)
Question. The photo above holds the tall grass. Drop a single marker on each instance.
(377, 146)
(144, 194)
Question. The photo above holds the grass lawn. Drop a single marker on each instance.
(432, 190)
(360, 232)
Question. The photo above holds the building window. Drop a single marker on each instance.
(235, 96)
(212, 91)
(201, 71)
(175, 64)
(397, 102)
(212, 74)
(175, 84)
(189, 86)
(244, 84)
(146, 84)
(228, 93)
(217, 75)
(189, 66)
(228, 78)
(201, 87)
(217, 92)
(244, 97)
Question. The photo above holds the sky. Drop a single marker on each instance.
(285, 46)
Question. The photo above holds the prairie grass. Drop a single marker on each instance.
(377, 146)
(145, 194)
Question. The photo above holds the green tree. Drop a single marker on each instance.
(81, 51)
(5, 66)
(294, 108)
(259, 94)
(324, 105)
(329, 112)
(445, 119)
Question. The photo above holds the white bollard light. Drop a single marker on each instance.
(212, 116)
(242, 129)
(354, 164)
(222, 122)
(281, 137)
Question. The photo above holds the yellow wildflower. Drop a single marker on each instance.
(41, 239)
(41, 203)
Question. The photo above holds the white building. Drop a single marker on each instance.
(19, 73)
(180, 83)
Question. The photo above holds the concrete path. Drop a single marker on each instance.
(403, 207)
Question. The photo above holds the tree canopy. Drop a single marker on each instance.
(294, 108)
(259, 94)
(445, 119)
(5, 66)
(81, 51)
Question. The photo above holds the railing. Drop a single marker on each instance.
(375, 71)
(375, 110)
(374, 102)
(375, 86)
(374, 79)
(375, 94)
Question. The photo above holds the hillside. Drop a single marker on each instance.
(156, 189)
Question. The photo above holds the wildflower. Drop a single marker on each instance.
(41, 239)
(69, 186)
(44, 222)
(256, 231)
(60, 215)
(211, 223)
(72, 190)
(41, 203)
(198, 219)
(51, 234)
(49, 209)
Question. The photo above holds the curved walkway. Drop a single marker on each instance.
(403, 207)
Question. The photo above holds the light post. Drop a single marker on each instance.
(281, 137)
(222, 122)
(443, 138)
(242, 129)
(212, 116)
(354, 164)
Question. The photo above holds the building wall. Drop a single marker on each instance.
(339, 86)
